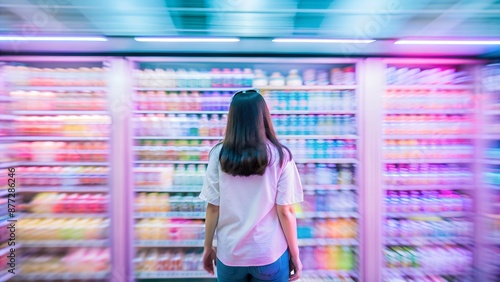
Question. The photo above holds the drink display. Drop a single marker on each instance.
(489, 224)
(428, 149)
(429, 76)
(89, 126)
(72, 177)
(237, 77)
(59, 101)
(47, 76)
(91, 262)
(180, 113)
(48, 229)
(50, 151)
(54, 203)
(61, 130)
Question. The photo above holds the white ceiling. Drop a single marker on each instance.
(256, 22)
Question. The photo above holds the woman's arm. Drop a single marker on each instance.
(209, 255)
(288, 221)
(212, 217)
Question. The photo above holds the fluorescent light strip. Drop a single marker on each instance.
(51, 38)
(449, 42)
(312, 40)
(185, 39)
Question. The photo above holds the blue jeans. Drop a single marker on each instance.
(277, 271)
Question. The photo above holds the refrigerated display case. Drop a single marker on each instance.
(60, 147)
(428, 152)
(180, 111)
(488, 218)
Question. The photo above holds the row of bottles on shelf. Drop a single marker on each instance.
(327, 174)
(328, 258)
(214, 125)
(492, 151)
(167, 176)
(314, 100)
(41, 229)
(433, 259)
(59, 101)
(431, 76)
(427, 201)
(164, 202)
(5, 128)
(491, 78)
(328, 201)
(63, 125)
(426, 99)
(71, 261)
(427, 174)
(424, 228)
(34, 76)
(197, 150)
(48, 151)
(242, 78)
(180, 125)
(314, 124)
(169, 229)
(427, 124)
(62, 176)
(428, 149)
(219, 101)
(491, 175)
(53, 203)
(179, 150)
(320, 149)
(182, 100)
(326, 228)
(178, 259)
(5, 108)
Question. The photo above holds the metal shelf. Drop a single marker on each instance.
(64, 276)
(328, 161)
(171, 162)
(328, 242)
(329, 187)
(7, 117)
(9, 164)
(426, 136)
(419, 272)
(65, 164)
(330, 214)
(429, 187)
(6, 276)
(64, 243)
(492, 136)
(429, 112)
(429, 87)
(273, 112)
(344, 137)
(178, 137)
(328, 274)
(55, 138)
(173, 274)
(74, 189)
(58, 88)
(56, 112)
(422, 241)
(426, 214)
(192, 188)
(189, 215)
(428, 161)
(491, 161)
(65, 215)
(235, 89)
(169, 243)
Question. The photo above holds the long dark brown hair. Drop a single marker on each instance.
(249, 128)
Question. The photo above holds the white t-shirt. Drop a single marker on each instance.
(249, 232)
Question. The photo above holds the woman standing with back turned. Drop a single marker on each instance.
(251, 185)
